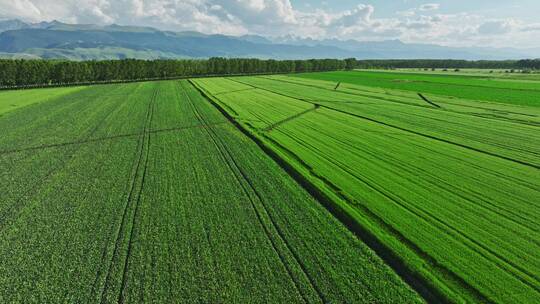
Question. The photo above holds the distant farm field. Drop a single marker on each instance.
(335, 187)
(461, 86)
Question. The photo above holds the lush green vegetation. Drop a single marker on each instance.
(449, 64)
(493, 74)
(11, 100)
(145, 193)
(452, 186)
(467, 87)
(57, 72)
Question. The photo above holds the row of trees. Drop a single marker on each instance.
(52, 72)
(533, 64)
(439, 64)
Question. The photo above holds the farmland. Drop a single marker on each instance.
(334, 187)
(448, 180)
(484, 88)
(11, 100)
(145, 192)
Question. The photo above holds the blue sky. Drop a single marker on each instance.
(486, 23)
(527, 9)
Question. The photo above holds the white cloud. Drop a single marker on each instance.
(429, 7)
(278, 17)
(19, 8)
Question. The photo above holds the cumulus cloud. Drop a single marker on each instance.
(422, 23)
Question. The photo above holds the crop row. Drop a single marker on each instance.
(443, 189)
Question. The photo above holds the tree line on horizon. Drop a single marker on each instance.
(532, 64)
(56, 72)
(20, 73)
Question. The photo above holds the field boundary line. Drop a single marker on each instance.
(147, 136)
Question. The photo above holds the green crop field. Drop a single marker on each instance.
(145, 192)
(333, 187)
(12, 100)
(484, 88)
(494, 74)
(450, 185)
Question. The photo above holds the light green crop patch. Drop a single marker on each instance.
(11, 100)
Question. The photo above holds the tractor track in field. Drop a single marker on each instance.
(148, 136)
(227, 157)
(524, 163)
(232, 164)
(424, 98)
(295, 116)
(132, 201)
(106, 138)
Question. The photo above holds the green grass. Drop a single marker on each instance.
(452, 189)
(145, 193)
(11, 100)
(503, 74)
(468, 87)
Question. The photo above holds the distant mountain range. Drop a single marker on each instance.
(54, 39)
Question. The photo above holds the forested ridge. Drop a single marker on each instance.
(15, 73)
